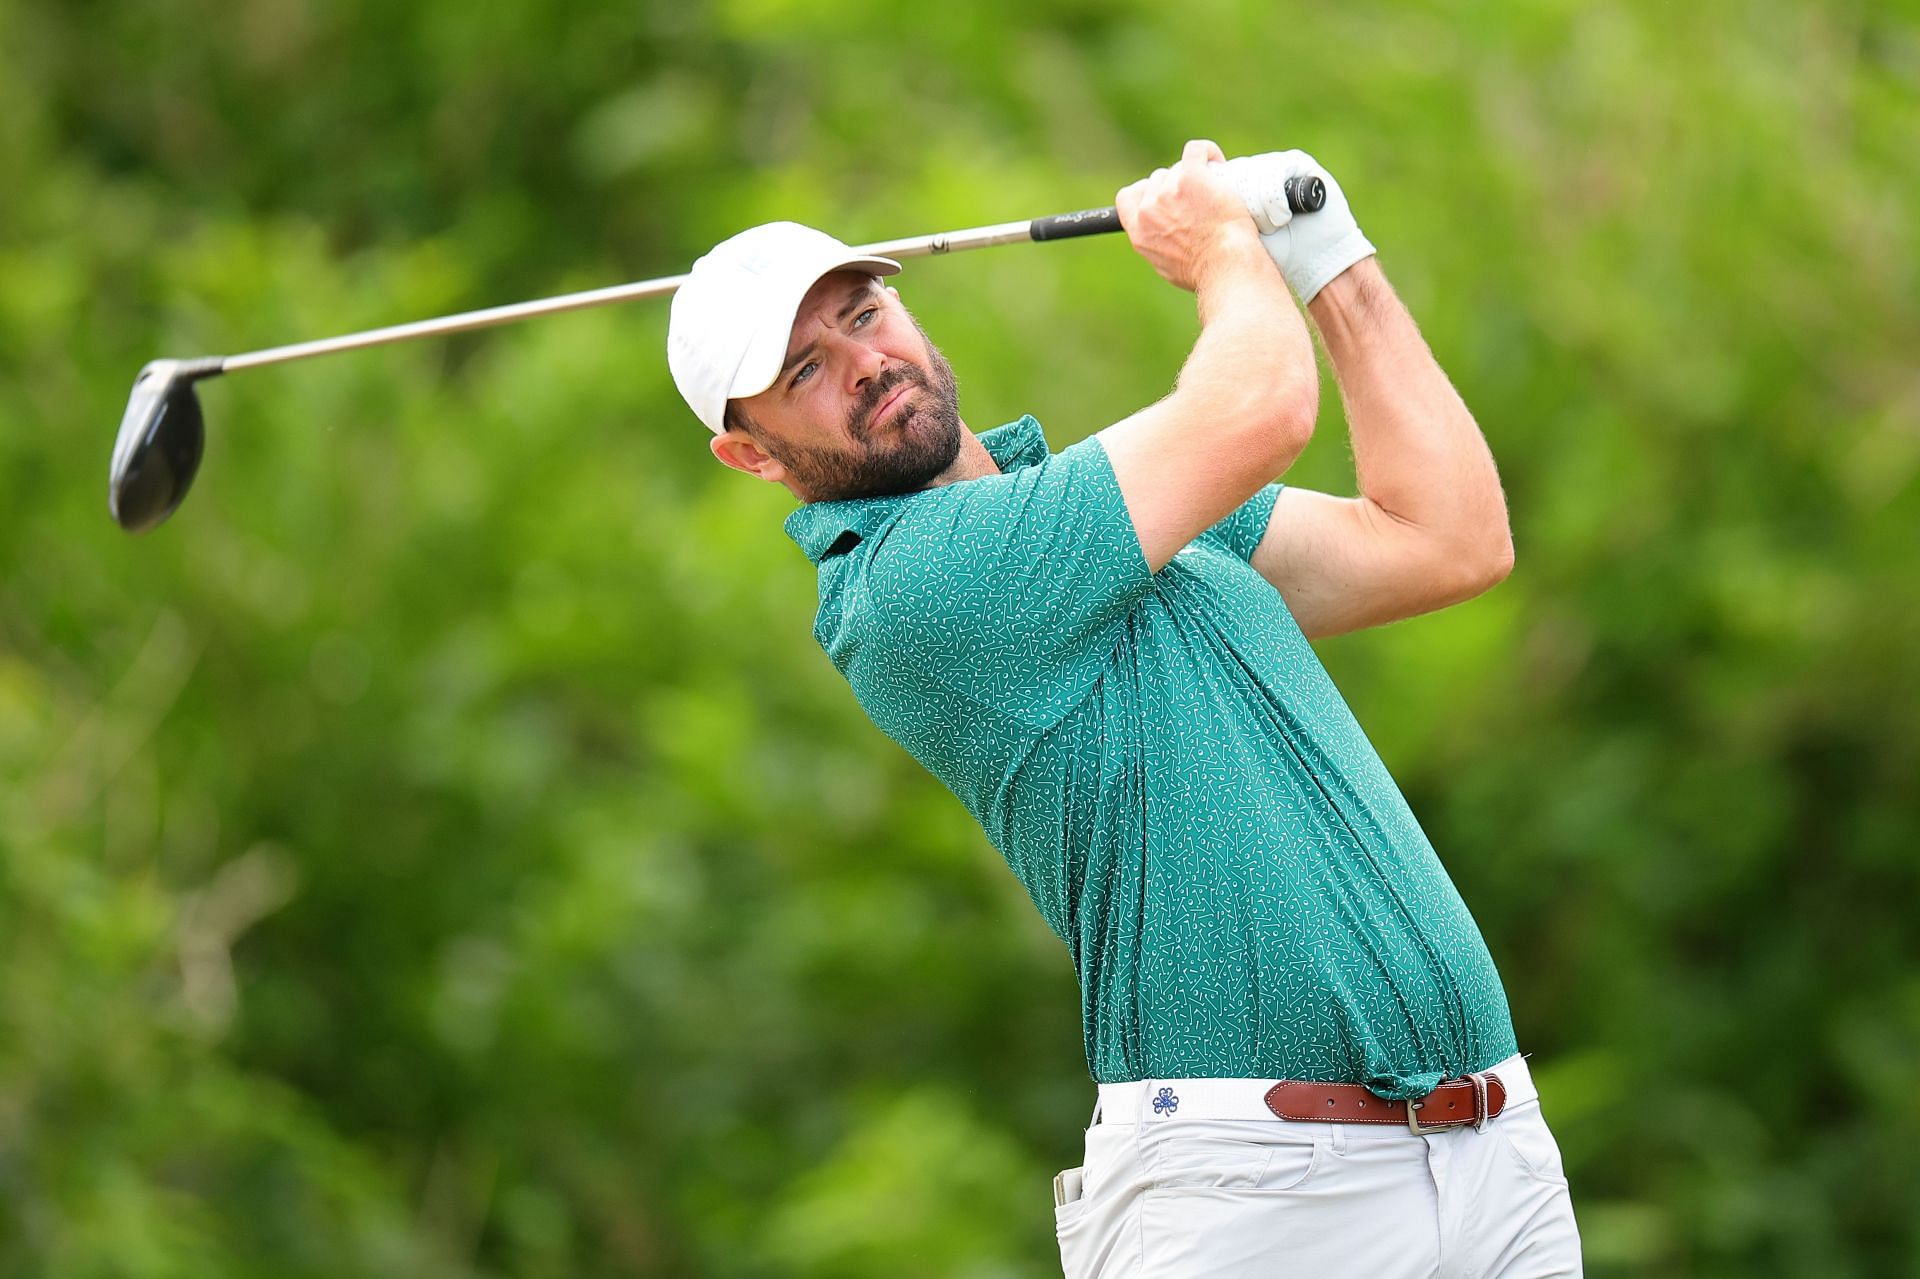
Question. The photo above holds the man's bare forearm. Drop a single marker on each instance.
(1417, 451)
(1254, 357)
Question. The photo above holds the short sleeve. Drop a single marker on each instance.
(1013, 589)
(1241, 531)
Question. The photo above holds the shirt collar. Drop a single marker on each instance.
(819, 526)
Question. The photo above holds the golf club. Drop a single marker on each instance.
(162, 434)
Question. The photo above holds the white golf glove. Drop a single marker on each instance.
(1309, 248)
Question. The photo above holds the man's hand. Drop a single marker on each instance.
(1180, 219)
(1315, 247)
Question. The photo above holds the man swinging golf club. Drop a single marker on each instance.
(1305, 1060)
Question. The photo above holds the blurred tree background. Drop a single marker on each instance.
(442, 850)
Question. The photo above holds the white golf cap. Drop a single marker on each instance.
(729, 325)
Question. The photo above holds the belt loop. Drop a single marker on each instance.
(1096, 1107)
(1479, 1079)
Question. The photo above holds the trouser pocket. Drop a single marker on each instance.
(1523, 1132)
(1092, 1203)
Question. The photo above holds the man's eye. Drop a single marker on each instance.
(804, 368)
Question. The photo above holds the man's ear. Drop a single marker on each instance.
(738, 450)
(894, 291)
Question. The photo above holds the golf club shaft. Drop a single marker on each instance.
(1304, 194)
(1056, 227)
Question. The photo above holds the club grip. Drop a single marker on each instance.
(1305, 194)
(1064, 226)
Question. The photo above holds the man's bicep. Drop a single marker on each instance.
(1175, 492)
(1346, 563)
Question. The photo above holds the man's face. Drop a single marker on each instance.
(820, 429)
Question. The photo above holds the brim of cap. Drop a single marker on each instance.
(767, 350)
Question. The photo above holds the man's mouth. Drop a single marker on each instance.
(880, 414)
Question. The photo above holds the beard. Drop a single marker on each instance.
(917, 442)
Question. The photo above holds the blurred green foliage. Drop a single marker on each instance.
(443, 851)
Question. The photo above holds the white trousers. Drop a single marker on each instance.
(1215, 1187)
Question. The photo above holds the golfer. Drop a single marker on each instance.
(1305, 1060)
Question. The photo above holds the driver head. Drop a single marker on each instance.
(158, 449)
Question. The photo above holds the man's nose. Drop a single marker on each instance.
(863, 365)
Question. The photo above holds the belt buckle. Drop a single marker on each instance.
(1479, 1120)
(1413, 1119)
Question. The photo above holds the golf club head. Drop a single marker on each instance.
(161, 438)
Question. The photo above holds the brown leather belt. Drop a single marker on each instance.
(1470, 1099)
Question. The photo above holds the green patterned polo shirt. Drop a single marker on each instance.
(1164, 763)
